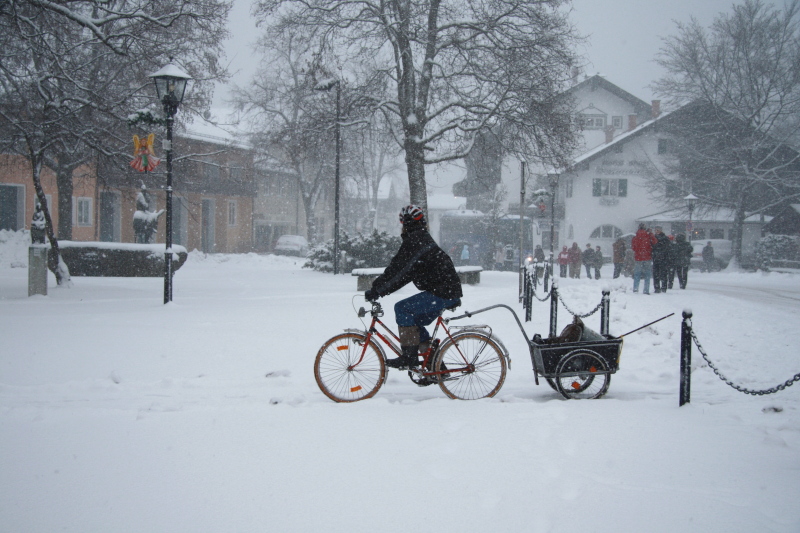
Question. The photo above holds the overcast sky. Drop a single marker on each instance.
(624, 37)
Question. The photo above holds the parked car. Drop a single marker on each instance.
(722, 253)
(291, 245)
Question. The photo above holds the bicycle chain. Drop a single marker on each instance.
(763, 392)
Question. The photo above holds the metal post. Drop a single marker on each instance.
(605, 312)
(336, 193)
(169, 112)
(553, 308)
(521, 214)
(553, 187)
(686, 358)
(528, 299)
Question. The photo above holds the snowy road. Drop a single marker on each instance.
(122, 414)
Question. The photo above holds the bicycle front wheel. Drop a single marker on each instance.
(343, 375)
(475, 367)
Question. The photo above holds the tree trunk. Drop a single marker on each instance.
(54, 261)
(738, 231)
(65, 191)
(415, 163)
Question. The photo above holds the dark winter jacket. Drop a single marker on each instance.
(588, 257)
(681, 252)
(661, 249)
(708, 253)
(575, 254)
(421, 261)
(642, 245)
(619, 251)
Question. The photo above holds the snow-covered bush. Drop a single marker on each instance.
(361, 251)
(777, 248)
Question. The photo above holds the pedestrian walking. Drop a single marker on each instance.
(575, 261)
(708, 257)
(598, 262)
(563, 262)
(618, 256)
(642, 244)
(588, 260)
(629, 263)
(538, 257)
(661, 260)
(681, 258)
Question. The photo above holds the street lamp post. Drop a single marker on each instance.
(690, 199)
(327, 86)
(522, 165)
(553, 189)
(170, 87)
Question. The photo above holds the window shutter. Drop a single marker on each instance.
(623, 187)
(596, 187)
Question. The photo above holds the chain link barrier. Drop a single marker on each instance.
(763, 392)
(573, 313)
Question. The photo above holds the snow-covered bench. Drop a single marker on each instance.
(471, 275)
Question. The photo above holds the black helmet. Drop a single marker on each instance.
(412, 214)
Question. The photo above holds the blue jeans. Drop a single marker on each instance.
(420, 310)
(642, 268)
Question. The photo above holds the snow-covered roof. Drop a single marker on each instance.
(215, 131)
(442, 202)
(466, 213)
(680, 214)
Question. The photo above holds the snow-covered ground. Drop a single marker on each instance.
(121, 414)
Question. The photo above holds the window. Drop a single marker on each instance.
(716, 234)
(83, 213)
(606, 231)
(236, 173)
(616, 122)
(571, 232)
(231, 212)
(568, 187)
(663, 146)
(592, 122)
(610, 187)
(211, 171)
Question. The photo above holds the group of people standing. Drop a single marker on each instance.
(657, 256)
(650, 255)
(573, 258)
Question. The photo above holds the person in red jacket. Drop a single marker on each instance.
(563, 261)
(642, 246)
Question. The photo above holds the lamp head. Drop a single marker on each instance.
(170, 86)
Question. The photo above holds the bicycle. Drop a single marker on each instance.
(467, 364)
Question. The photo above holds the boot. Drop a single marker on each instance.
(408, 359)
(409, 341)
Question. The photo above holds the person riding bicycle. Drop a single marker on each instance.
(421, 261)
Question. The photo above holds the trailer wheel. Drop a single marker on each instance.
(582, 374)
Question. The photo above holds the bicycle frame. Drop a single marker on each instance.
(390, 340)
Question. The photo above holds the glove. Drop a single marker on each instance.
(371, 295)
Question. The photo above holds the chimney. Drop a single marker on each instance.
(609, 134)
(631, 122)
(655, 109)
(575, 73)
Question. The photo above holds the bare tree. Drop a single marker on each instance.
(455, 68)
(287, 119)
(733, 143)
(71, 72)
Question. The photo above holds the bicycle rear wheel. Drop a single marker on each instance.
(340, 375)
(475, 364)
